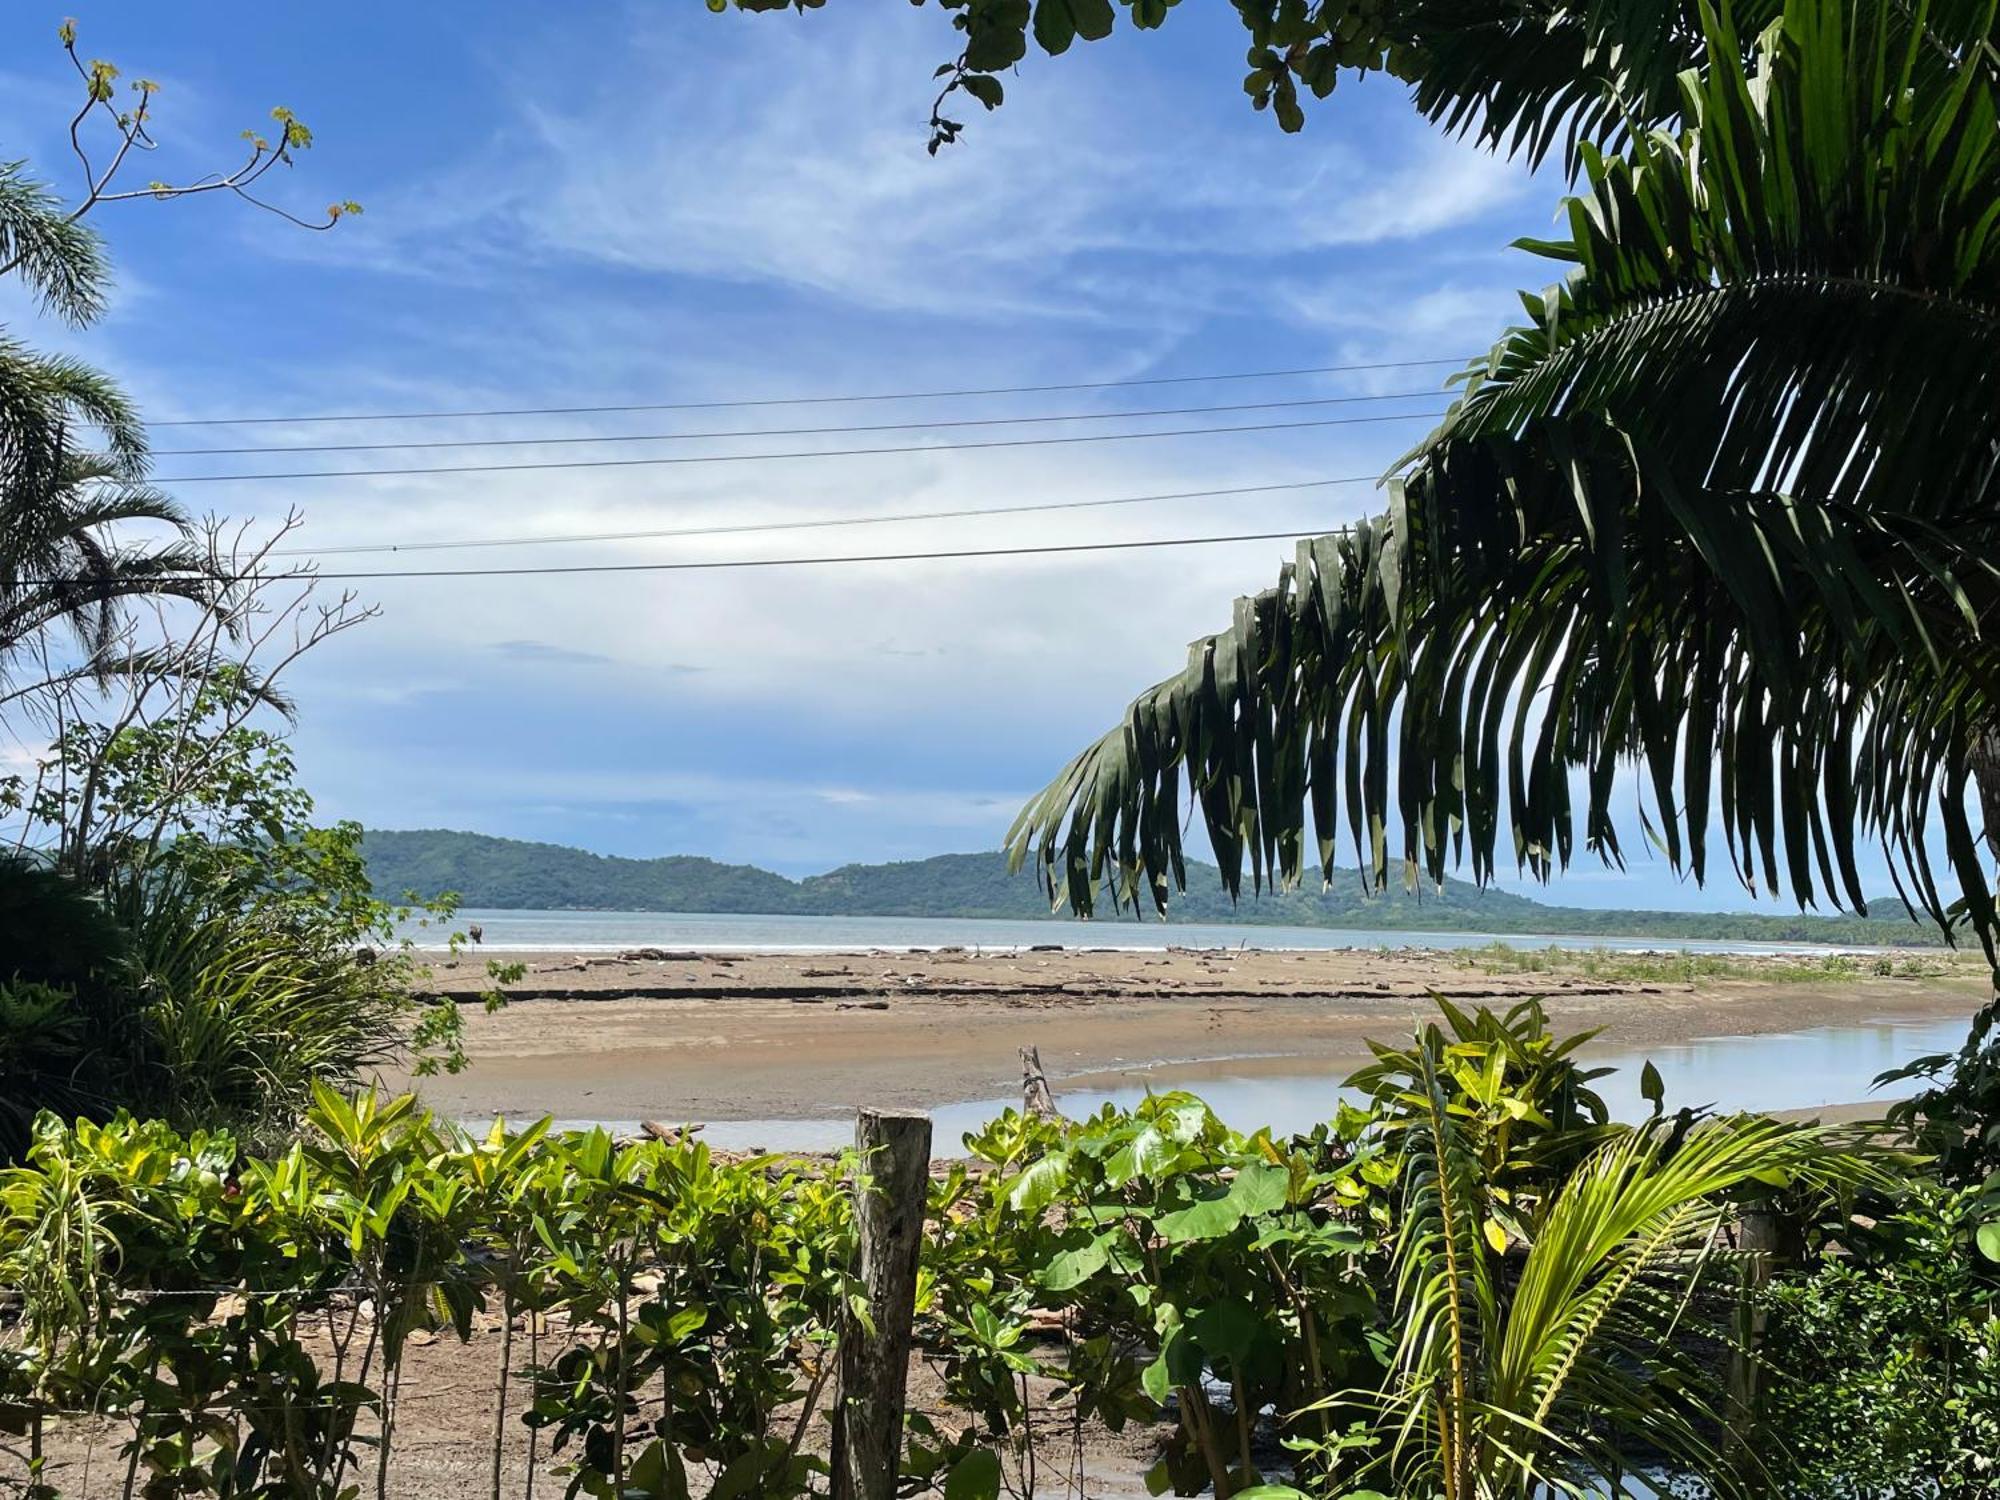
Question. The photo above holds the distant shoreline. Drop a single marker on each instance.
(510, 874)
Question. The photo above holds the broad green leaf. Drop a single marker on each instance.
(974, 1477)
(1652, 1088)
(1040, 1184)
(1205, 1220)
(1068, 1269)
(1260, 1188)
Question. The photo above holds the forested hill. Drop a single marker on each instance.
(495, 872)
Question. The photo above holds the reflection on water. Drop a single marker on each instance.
(1790, 1070)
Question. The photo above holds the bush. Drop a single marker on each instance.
(212, 987)
(1887, 1365)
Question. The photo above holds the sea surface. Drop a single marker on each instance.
(610, 931)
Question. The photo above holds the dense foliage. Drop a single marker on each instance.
(257, 1311)
(218, 957)
(1475, 1287)
(1886, 1363)
(484, 871)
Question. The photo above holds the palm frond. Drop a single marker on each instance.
(1539, 1389)
(61, 260)
(1719, 511)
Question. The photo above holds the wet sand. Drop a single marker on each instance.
(686, 1037)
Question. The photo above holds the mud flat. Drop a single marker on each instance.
(684, 1036)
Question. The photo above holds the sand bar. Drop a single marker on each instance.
(716, 1037)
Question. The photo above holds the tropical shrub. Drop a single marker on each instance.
(255, 1313)
(1194, 1271)
(1477, 1288)
(220, 952)
(66, 968)
(1885, 1363)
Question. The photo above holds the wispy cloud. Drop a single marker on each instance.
(792, 155)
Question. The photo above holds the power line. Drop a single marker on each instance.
(720, 564)
(738, 404)
(765, 432)
(725, 564)
(818, 523)
(735, 458)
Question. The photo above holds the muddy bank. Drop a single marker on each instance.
(701, 1037)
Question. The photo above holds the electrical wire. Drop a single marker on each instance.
(766, 432)
(736, 563)
(727, 458)
(823, 400)
(815, 524)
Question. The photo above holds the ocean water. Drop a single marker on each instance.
(609, 931)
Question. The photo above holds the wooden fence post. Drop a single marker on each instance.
(1761, 1243)
(895, 1148)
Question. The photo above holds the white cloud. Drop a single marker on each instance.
(793, 155)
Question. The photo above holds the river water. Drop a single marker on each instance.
(1781, 1071)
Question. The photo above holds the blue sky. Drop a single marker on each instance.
(585, 205)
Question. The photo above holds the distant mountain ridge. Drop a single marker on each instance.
(486, 871)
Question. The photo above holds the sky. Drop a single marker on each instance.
(645, 203)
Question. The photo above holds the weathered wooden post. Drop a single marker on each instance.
(895, 1148)
(1761, 1244)
(1036, 1098)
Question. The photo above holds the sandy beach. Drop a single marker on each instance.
(682, 1036)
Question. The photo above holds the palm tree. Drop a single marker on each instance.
(1539, 1380)
(1721, 509)
(63, 569)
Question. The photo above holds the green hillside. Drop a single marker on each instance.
(496, 872)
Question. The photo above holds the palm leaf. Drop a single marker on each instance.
(1718, 510)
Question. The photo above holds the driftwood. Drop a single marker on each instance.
(673, 1135)
(1036, 1099)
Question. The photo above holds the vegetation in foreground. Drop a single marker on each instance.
(1476, 1287)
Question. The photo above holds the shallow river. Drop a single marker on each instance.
(1786, 1070)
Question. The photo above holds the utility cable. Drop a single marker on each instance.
(767, 432)
(725, 564)
(729, 458)
(822, 400)
(817, 523)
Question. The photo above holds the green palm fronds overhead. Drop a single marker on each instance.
(1720, 511)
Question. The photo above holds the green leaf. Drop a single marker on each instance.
(1988, 1239)
(1178, 1363)
(1652, 1088)
(1068, 1269)
(1055, 26)
(1260, 1188)
(1206, 1220)
(974, 1477)
(1038, 1186)
(1226, 1330)
(985, 88)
